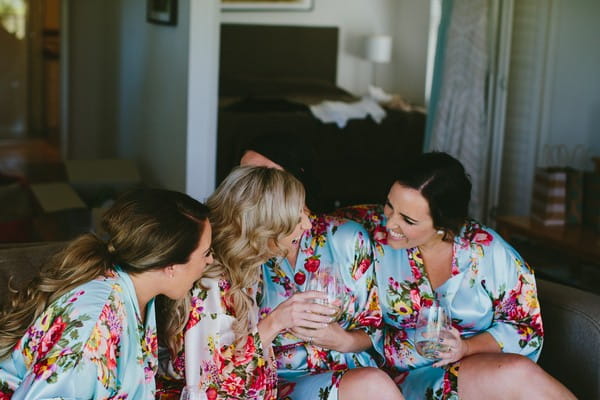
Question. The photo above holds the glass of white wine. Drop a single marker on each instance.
(433, 323)
(328, 280)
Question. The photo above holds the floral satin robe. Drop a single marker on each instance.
(307, 371)
(88, 344)
(228, 372)
(491, 290)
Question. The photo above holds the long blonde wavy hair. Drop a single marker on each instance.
(146, 229)
(250, 212)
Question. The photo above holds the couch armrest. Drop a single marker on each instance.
(19, 263)
(571, 351)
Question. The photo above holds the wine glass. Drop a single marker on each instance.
(192, 392)
(327, 280)
(433, 323)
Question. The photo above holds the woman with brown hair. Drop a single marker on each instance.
(85, 327)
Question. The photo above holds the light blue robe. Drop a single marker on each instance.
(307, 371)
(491, 290)
(88, 344)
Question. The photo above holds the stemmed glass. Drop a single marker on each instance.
(433, 323)
(192, 392)
(328, 280)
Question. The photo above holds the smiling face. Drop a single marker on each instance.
(186, 274)
(292, 241)
(409, 222)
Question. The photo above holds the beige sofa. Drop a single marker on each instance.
(571, 317)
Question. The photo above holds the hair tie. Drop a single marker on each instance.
(111, 248)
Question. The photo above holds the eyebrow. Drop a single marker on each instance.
(403, 215)
(409, 218)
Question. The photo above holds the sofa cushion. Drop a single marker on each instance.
(571, 351)
(19, 263)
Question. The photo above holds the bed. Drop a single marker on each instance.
(269, 77)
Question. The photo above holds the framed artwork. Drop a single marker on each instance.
(267, 5)
(162, 12)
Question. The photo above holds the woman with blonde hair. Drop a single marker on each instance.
(256, 213)
(85, 327)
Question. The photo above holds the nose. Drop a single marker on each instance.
(392, 221)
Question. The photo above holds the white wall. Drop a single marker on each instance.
(411, 35)
(202, 98)
(406, 20)
(129, 90)
(573, 89)
(92, 82)
(153, 82)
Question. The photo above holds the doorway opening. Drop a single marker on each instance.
(30, 70)
(30, 139)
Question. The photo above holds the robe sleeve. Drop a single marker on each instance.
(517, 323)
(229, 369)
(69, 368)
(353, 248)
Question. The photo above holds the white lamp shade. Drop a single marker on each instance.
(379, 48)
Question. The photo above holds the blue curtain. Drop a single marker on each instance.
(438, 69)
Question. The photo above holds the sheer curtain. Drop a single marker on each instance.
(457, 117)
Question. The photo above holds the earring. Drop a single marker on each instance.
(440, 232)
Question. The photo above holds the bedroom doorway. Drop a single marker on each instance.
(30, 70)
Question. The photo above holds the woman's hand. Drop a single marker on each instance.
(458, 348)
(334, 337)
(300, 310)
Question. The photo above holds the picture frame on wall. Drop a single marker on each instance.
(163, 12)
(267, 5)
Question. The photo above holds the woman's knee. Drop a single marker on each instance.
(516, 367)
(370, 380)
(487, 370)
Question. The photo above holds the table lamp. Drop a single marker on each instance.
(378, 50)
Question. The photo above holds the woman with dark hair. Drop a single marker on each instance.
(431, 252)
(85, 327)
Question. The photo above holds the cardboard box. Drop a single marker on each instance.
(99, 181)
(56, 196)
(62, 214)
(64, 209)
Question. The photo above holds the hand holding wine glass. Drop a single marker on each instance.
(433, 323)
(327, 280)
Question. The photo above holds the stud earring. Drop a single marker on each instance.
(440, 232)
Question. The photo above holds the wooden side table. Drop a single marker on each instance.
(580, 243)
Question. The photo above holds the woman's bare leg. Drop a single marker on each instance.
(507, 376)
(362, 383)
